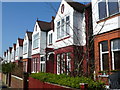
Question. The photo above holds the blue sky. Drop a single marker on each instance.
(20, 16)
(17, 17)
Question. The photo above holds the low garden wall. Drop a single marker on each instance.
(34, 83)
(48, 80)
(4, 78)
(16, 82)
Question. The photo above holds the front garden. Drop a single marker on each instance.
(65, 80)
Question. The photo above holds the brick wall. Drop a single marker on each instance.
(4, 78)
(16, 82)
(37, 84)
(99, 38)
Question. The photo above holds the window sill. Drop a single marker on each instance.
(24, 53)
(109, 17)
(63, 38)
(35, 48)
(103, 76)
(50, 44)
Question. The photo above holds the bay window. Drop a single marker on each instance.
(58, 64)
(36, 40)
(104, 55)
(58, 30)
(64, 63)
(17, 51)
(63, 27)
(67, 25)
(25, 48)
(115, 49)
(68, 62)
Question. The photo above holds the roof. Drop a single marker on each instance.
(76, 5)
(14, 45)
(88, 5)
(4, 53)
(45, 26)
(20, 41)
(29, 34)
(10, 49)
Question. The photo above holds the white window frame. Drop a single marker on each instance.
(101, 54)
(58, 64)
(112, 50)
(63, 62)
(107, 9)
(35, 39)
(25, 46)
(43, 62)
(68, 62)
(63, 33)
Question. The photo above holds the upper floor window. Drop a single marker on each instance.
(108, 8)
(50, 38)
(17, 51)
(36, 41)
(63, 27)
(115, 49)
(104, 55)
(67, 25)
(25, 48)
(58, 30)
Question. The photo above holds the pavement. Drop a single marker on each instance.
(2, 85)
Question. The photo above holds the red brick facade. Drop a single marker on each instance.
(104, 37)
(41, 85)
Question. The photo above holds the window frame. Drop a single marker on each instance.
(36, 40)
(63, 33)
(107, 9)
(101, 55)
(112, 52)
(42, 63)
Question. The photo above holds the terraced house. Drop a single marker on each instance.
(27, 48)
(19, 50)
(13, 53)
(39, 42)
(106, 30)
(67, 41)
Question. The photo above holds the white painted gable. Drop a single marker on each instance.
(36, 30)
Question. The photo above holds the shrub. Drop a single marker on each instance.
(67, 80)
(8, 67)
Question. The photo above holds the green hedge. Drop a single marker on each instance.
(67, 80)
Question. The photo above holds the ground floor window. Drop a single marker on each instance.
(115, 49)
(104, 55)
(42, 64)
(25, 66)
(35, 65)
(63, 63)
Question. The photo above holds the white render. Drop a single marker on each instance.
(9, 56)
(77, 27)
(19, 49)
(29, 45)
(13, 54)
(104, 26)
